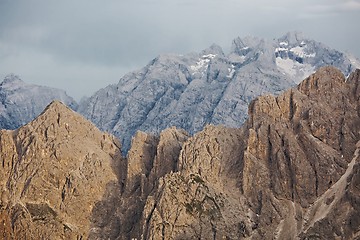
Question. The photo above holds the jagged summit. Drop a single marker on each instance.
(12, 82)
(53, 172)
(325, 79)
(293, 37)
(245, 43)
(213, 49)
(11, 78)
(57, 112)
(324, 84)
(190, 91)
(57, 106)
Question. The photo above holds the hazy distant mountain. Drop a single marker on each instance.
(21, 102)
(190, 91)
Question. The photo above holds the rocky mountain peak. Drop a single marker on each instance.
(63, 118)
(325, 79)
(244, 45)
(11, 78)
(213, 49)
(12, 82)
(57, 107)
(54, 171)
(237, 45)
(292, 38)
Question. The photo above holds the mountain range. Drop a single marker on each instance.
(193, 90)
(292, 171)
(186, 91)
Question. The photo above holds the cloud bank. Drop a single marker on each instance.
(81, 46)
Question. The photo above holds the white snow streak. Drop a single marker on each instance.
(202, 64)
(299, 51)
(231, 71)
(296, 70)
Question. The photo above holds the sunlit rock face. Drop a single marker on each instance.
(290, 172)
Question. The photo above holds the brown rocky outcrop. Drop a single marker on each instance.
(61, 178)
(118, 215)
(286, 174)
(52, 173)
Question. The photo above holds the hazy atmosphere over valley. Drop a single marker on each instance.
(82, 46)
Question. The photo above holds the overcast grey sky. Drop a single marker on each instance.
(84, 45)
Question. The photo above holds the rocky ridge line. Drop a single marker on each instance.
(290, 172)
(210, 87)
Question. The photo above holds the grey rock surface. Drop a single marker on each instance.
(21, 102)
(210, 87)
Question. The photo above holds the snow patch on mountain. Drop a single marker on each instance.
(300, 51)
(294, 68)
(280, 49)
(231, 71)
(202, 64)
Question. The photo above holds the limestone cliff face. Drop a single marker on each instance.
(119, 214)
(290, 172)
(53, 172)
